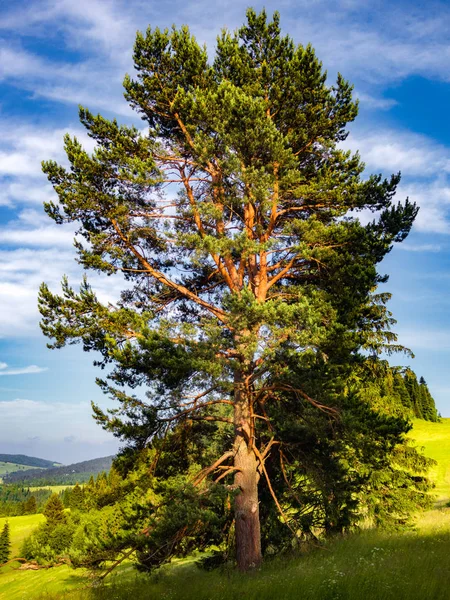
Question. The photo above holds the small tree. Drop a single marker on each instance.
(254, 255)
(5, 544)
(76, 501)
(54, 512)
(30, 506)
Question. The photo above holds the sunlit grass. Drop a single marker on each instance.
(369, 566)
(435, 438)
(20, 528)
(55, 489)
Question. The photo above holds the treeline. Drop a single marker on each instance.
(399, 392)
(29, 461)
(67, 475)
(17, 501)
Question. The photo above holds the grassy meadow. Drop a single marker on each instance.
(370, 565)
(366, 566)
(20, 528)
(435, 439)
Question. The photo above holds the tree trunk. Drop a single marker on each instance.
(248, 534)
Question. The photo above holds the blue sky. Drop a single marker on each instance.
(56, 54)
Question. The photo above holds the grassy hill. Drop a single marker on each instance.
(65, 475)
(9, 467)
(17, 463)
(373, 565)
(435, 439)
(28, 461)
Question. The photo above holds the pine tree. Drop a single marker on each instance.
(402, 394)
(250, 260)
(76, 501)
(5, 544)
(428, 406)
(412, 386)
(30, 506)
(54, 511)
(65, 497)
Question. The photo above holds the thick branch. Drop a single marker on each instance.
(217, 312)
(205, 472)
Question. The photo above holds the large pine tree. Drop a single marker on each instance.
(229, 216)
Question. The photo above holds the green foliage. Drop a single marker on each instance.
(17, 500)
(51, 540)
(76, 499)
(54, 511)
(396, 391)
(30, 506)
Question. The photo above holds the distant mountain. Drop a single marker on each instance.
(29, 461)
(70, 474)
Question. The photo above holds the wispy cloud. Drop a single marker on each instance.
(22, 270)
(419, 247)
(374, 102)
(30, 370)
(431, 340)
(424, 165)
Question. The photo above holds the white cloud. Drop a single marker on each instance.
(391, 150)
(56, 419)
(374, 102)
(51, 236)
(431, 340)
(22, 270)
(425, 168)
(30, 370)
(433, 199)
(419, 247)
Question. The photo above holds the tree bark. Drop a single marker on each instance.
(247, 526)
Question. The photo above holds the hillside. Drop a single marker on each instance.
(435, 439)
(28, 461)
(65, 475)
(10, 467)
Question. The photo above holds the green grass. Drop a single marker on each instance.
(366, 566)
(55, 583)
(8, 467)
(435, 438)
(21, 585)
(20, 528)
